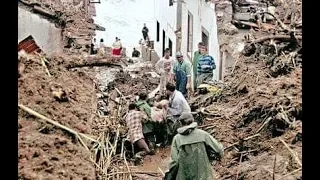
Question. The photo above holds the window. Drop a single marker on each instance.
(170, 2)
(190, 32)
(205, 37)
(170, 46)
(163, 41)
(158, 31)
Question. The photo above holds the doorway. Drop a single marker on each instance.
(163, 42)
(170, 46)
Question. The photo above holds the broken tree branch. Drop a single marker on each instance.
(250, 24)
(265, 123)
(275, 37)
(245, 139)
(137, 172)
(91, 64)
(292, 152)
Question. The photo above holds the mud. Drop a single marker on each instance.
(45, 150)
(264, 86)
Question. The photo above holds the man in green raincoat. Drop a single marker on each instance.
(192, 152)
(147, 126)
(195, 61)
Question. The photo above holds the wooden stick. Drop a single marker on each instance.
(241, 155)
(162, 173)
(119, 92)
(246, 152)
(265, 123)
(292, 152)
(279, 37)
(45, 66)
(274, 168)
(81, 141)
(136, 172)
(122, 147)
(116, 141)
(34, 113)
(91, 64)
(292, 172)
(125, 161)
(248, 138)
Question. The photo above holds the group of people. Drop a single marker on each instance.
(155, 124)
(170, 120)
(100, 48)
(97, 48)
(180, 70)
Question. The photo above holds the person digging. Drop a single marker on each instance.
(148, 126)
(134, 120)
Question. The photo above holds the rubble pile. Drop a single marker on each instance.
(78, 27)
(258, 114)
(64, 97)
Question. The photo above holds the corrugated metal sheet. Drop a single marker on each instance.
(29, 45)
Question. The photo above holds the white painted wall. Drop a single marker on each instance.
(166, 16)
(203, 16)
(209, 22)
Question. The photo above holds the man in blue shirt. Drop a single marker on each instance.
(181, 73)
(205, 67)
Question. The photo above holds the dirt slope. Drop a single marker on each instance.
(44, 150)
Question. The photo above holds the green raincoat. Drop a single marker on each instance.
(193, 150)
(195, 61)
(147, 126)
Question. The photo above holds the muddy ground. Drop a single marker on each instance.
(256, 117)
(44, 150)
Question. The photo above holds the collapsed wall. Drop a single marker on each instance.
(72, 17)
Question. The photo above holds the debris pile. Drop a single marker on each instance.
(258, 114)
(72, 17)
(64, 97)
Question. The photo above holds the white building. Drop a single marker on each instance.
(182, 24)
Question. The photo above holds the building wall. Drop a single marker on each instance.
(166, 16)
(209, 22)
(204, 16)
(45, 34)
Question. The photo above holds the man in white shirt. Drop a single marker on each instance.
(163, 67)
(177, 105)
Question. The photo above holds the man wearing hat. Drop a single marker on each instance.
(181, 73)
(193, 151)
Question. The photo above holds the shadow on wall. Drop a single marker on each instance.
(47, 36)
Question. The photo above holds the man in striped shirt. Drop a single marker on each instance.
(205, 67)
